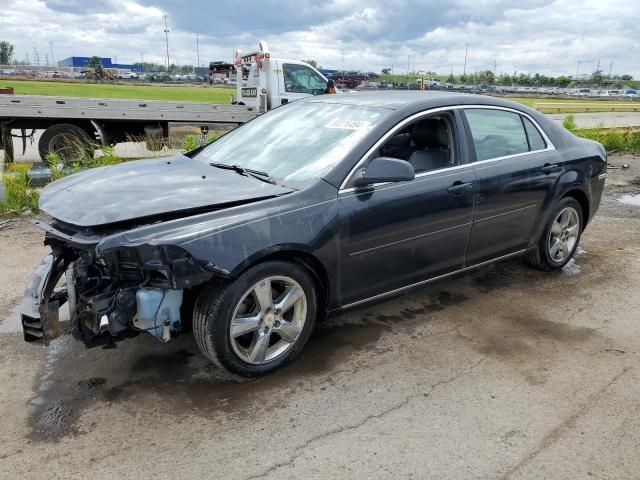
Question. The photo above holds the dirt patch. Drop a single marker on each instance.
(622, 183)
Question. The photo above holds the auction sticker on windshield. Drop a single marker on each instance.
(349, 124)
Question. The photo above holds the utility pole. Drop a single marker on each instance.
(197, 51)
(343, 60)
(141, 62)
(577, 70)
(408, 66)
(53, 61)
(166, 34)
(464, 69)
(610, 68)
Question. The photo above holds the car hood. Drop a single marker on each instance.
(148, 188)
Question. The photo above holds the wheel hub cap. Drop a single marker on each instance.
(269, 319)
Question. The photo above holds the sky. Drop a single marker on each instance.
(545, 36)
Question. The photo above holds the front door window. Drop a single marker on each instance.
(302, 79)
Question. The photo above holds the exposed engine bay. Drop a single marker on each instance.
(110, 296)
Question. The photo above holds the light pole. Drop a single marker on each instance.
(166, 34)
(53, 61)
(197, 51)
(464, 68)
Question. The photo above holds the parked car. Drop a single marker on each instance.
(313, 208)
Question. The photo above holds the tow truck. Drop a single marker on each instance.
(263, 82)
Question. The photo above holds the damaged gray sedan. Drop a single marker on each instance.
(317, 206)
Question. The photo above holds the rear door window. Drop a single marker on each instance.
(496, 133)
(536, 142)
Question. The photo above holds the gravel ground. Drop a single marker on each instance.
(503, 373)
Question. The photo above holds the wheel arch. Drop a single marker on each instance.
(302, 257)
(583, 199)
(567, 186)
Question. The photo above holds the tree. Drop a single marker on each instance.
(313, 63)
(626, 78)
(6, 53)
(597, 77)
(386, 71)
(94, 62)
(450, 79)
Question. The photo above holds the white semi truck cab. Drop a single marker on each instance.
(275, 81)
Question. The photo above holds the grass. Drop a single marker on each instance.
(206, 94)
(106, 90)
(18, 196)
(612, 139)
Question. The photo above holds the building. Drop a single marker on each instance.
(81, 62)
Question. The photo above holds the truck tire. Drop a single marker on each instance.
(258, 322)
(155, 144)
(69, 141)
(6, 144)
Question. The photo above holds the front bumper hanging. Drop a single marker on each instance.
(40, 313)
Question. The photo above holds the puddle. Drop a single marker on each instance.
(571, 268)
(630, 199)
(11, 322)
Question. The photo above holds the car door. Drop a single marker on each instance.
(398, 234)
(516, 166)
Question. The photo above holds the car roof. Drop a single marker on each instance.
(397, 99)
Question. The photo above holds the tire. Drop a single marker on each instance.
(70, 142)
(546, 256)
(284, 333)
(6, 144)
(155, 144)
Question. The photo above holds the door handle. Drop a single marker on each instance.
(547, 168)
(458, 188)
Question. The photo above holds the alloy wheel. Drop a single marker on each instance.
(268, 320)
(563, 235)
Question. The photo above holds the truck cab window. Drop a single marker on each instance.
(302, 79)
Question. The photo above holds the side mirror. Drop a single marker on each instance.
(385, 169)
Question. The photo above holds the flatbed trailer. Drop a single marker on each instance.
(107, 121)
(262, 83)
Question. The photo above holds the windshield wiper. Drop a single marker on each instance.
(263, 176)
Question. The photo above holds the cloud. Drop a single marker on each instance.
(546, 36)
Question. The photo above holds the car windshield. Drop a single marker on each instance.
(297, 143)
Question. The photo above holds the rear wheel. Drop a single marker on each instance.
(69, 142)
(560, 238)
(258, 322)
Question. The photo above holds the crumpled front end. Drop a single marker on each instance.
(119, 293)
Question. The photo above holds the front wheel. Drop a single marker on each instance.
(258, 322)
(560, 238)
